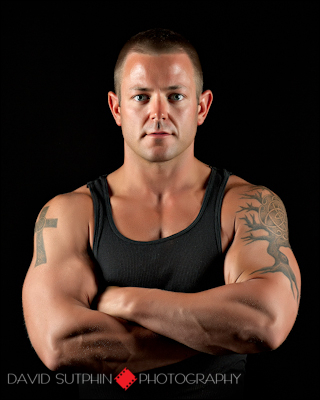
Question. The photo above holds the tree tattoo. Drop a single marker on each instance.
(42, 223)
(271, 217)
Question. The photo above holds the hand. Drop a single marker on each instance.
(114, 301)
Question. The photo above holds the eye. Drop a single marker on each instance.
(176, 96)
(140, 97)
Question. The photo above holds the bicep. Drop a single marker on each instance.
(61, 241)
(61, 277)
(261, 250)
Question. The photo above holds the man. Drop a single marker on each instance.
(166, 265)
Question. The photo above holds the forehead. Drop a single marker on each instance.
(165, 70)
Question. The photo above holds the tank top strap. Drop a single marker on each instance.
(98, 194)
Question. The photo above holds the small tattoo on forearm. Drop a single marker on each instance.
(42, 223)
(270, 217)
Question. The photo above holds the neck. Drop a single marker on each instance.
(161, 178)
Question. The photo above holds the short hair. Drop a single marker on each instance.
(158, 41)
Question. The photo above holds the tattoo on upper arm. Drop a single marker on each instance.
(42, 223)
(271, 217)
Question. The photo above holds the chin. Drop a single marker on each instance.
(158, 159)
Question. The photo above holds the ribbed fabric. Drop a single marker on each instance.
(188, 261)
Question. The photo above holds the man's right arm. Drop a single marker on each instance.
(57, 293)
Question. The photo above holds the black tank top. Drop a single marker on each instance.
(188, 261)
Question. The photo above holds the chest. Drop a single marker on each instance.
(190, 227)
(143, 221)
(187, 258)
(146, 219)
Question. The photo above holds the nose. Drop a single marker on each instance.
(158, 108)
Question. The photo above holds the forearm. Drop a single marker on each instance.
(214, 321)
(104, 344)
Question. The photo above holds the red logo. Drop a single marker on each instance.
(125, 379)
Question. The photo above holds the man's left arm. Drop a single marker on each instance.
(253, 312)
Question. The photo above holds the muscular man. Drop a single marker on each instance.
(166, 264)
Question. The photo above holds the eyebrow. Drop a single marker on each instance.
(144, 89)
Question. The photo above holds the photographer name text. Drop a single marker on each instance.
(143, 378)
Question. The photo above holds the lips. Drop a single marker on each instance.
(158, 134)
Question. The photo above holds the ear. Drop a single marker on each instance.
(205, 102)
(114, 105)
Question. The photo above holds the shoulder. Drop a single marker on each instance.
(232, 194)
(243, 199)
(238, 191)
(73, 212)
(78, 200)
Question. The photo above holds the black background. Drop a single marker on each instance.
(260, 59)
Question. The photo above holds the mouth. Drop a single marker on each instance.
(158, 134)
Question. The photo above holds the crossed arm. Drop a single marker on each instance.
(254, 311)
(147, 328)
(57, 295)
(238, 317)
